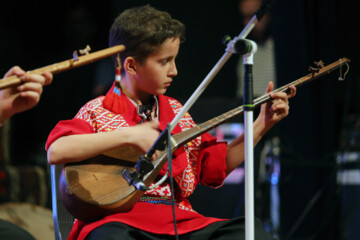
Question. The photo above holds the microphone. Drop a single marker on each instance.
(239, 45)
(144, 164)
(244, 46)
(134, 179)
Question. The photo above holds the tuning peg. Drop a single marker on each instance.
(319, 64)
(75, 56)
(85, 51)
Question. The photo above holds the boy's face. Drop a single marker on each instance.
(155, 75)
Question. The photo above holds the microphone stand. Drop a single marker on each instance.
(229, 51)
(249, 145)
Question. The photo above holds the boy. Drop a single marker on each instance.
(152, 39)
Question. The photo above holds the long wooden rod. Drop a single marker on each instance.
(65, 65)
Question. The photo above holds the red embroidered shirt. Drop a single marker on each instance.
(202, 160)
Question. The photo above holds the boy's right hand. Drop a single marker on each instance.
(144, 136)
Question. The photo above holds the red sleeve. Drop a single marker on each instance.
(68, 127)
(212, 161)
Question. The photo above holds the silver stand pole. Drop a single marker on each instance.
(249, 145)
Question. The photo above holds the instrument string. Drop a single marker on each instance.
(341, 77)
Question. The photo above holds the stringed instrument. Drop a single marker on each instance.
(76, 61)
(94, 188)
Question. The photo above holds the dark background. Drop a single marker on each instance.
(38, 33)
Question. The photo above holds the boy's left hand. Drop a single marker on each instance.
(277, 109)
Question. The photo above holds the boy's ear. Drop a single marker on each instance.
(130, 65)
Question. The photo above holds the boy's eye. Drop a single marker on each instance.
(166, 60)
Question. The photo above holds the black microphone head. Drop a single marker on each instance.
(242, 46)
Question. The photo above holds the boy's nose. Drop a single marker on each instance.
(173, 70)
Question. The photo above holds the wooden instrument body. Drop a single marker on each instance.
(94, 188)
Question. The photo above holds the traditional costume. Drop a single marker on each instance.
(202, 160)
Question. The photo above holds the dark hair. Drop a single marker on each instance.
(142, 30)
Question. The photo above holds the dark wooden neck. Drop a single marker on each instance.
(188, 135)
